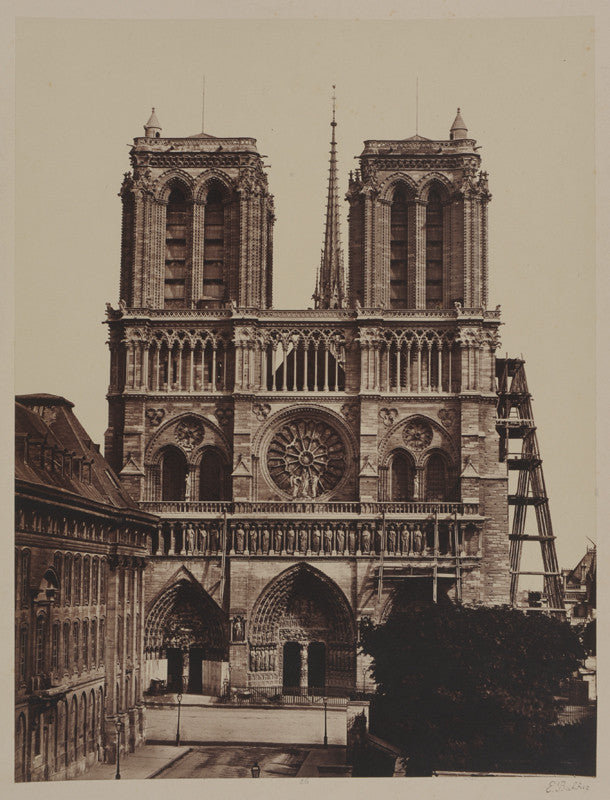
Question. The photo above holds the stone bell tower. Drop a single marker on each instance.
(197, 223)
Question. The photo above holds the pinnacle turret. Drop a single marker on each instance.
(152, 129)
(458, 129)
(330, 283)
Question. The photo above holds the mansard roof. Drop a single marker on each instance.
(45, 421)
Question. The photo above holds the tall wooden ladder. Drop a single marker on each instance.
(515, 421)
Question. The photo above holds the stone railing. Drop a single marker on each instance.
(240, 508)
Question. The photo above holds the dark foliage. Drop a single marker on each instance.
(463, 688)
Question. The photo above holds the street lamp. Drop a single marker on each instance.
(255, 770)
(179, 698)
(325, 701)
(119, 727)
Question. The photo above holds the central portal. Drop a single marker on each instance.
(316, 667)
(292, 666)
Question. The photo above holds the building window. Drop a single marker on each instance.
(85, 643)
(66, 644)
(119, 639)
(173, 475)
(77, 581)
(213, 247)
(75, 643)
(398, 250)
(434, 251)
(212, 476)
(25, 577)
(68, 578)
(103, 567)
(55, 646)
(95, 577)
(436, 478)
(23, 652)
(175, 249)
(402, 478)
(86, 580)
(102, 648)
(58, 563)
(94, 643)
(41, 642)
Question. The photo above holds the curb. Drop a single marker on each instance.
(191, 743)
(169, 764)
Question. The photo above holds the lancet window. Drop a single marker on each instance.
(214, 248)
(434, 250)
(398, 250)
(175, 249)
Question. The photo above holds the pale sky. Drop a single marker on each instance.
(526, 90)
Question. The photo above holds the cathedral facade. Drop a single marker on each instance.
(310, 469)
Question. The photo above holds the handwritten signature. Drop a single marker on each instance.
(566, 786)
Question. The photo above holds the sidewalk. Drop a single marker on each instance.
(145, 762)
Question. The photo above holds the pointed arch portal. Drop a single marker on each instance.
(186, 639)
(303, 630)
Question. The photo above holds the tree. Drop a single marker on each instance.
(468, 687)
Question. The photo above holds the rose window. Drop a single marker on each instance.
(306, 458)
(417, 435)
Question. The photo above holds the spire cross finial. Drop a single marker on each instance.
(333, 123)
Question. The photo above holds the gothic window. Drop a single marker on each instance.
(55, 647)
(402, 478)
(128, 635)
(75, 643)
(66, 645)
(25, 577)
(85, 644)
(398, 250)
(95, 577)
(86, 580)
(436, 478)
(41, 641)
(68, 579)
(173, 475)
(103, 568)
(434, 250)
(214, 247)
(102, 648)
(23, 652)
(212, 476)
(94, 643)
(57, 564)
(119, 639)
(175, 249)
(77, 580)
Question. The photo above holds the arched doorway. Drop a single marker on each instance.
(303, 634)
(186, 639)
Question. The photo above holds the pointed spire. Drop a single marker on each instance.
(152, 129)
(458, 129)
(330, 284)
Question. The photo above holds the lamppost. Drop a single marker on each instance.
(255, 770)
(325, 701)
(119, 727)
(179, 698)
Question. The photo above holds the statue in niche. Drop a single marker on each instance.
(253, 540)
(214, 540)
(187, 486)
(277, 540)
(405, 537)
(303, 540)
(315, 539)
(238, 629)
(351, 538)
(366, 540)
(203, 539)
(418, 541)
(340, 539)
(392, 541)
(379, 543)
(290, 538)
(265, 540)
(190, 539)
(240, 537)
(328, 539)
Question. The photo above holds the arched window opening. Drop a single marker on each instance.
(86, 580)
(55, 646)
(173, 475)
(66, 645)
(436, 478)
(77, 580)
(214, 249)
(95, 577)
(85, 645)
(212, 476)
(41, 643)
(68, 579)
(175, 250)
(434, 251)
(94, 643)
(23, 652)
(398, 250)
(402, 478)
(75, 642)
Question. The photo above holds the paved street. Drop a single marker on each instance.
(220, 761)
(200, 724)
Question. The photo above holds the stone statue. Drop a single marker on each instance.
(315, 540)
(418, 541)
(187, 486)
(265, 540)
(238, 629)
(277, 542)
(314, 483)
(351, 538)
(190, 539)
(203, 539)
(253, 540)
(240, 536)
(302, 540)
(290, 537)
(214, 540)
(340, 540)
(405, 536)
(391, 540)
(328, 539)
(366, 540)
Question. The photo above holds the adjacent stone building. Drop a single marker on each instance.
(80, 547)
(310, 468)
